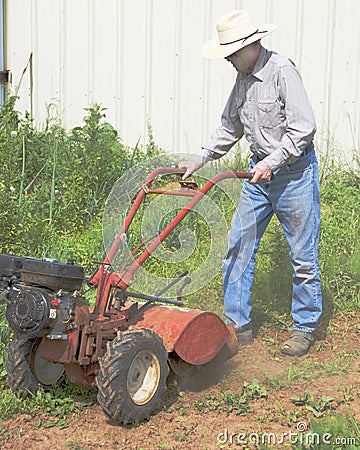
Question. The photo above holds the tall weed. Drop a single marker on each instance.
(54, 183)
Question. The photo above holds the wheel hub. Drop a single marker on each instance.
(143, 377)
(47, 372)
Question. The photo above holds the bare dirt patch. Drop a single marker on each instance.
(190, 419)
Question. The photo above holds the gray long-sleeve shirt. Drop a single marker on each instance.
(270, 107)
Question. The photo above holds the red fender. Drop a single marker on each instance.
(196, 336)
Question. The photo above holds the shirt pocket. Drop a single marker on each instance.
(269, 113)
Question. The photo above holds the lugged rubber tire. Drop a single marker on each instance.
(120, 381)
(20, 378)
(22, 375)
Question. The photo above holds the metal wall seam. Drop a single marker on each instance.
(91, 64)
(119, 85)
(148, 68)
(2, 49)
(299, 34)
(34, 61)
(356, 131)
(270, 13)
(208, 5)
(329, 71)
(176, 83)
(62, 61)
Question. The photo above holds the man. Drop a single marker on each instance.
(269, 106)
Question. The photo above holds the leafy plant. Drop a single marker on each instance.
(54, 183)
(57, 403)
(318, 408)
(233, 401)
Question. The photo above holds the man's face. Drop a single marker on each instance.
(244, 59)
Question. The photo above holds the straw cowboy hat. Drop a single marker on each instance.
(235, 31)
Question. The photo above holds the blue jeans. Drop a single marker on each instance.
(293, 195)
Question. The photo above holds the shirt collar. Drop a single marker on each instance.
(258, 70)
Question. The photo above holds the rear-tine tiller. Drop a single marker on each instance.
(126, 341)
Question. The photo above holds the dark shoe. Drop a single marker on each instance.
(244, 335)
(298, 344)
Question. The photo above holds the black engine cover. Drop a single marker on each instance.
(28, 312)
(40, 272)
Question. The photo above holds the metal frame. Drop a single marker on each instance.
(113, 311)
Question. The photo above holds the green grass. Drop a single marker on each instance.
(335, 432)
(229, 401)
(308, 369)
(56, 403)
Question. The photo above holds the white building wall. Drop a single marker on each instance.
(141, 59)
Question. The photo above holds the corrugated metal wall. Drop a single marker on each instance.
(142, 60)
